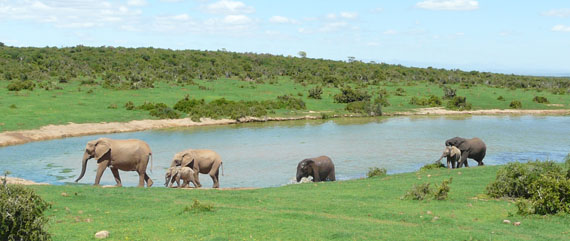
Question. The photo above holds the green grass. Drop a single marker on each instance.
(73, 103)
(364, 209)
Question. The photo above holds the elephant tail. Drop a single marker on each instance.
(222, 164)
(150, 157)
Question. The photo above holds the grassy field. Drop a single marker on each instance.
(344, 210)
(85, 104)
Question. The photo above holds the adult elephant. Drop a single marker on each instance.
(125, 155)
(201, 161)
(320, 168)
(473, 148)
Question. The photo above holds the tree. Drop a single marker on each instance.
(302, 54)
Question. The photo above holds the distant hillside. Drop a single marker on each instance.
(132, 68)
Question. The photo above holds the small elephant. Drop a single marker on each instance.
(176, 173)
(320, 168)
(473, 148)
(126, 155)
(201, 161)
(453, 155)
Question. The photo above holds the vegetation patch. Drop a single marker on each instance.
(431, 100)
(540, 100)
(423, 191)
(368, 108)
(21, 85)
(376, 172)
(458, 103)
(315, 92)
(515, 104)
(349, 95)
(198, 207)
(22, 215)
(435, 165)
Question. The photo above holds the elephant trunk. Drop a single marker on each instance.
(438, 160)
(83, 166)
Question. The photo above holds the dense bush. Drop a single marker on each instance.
(550, 194)
(382, 100)
(289, 102)
(432, 101)
(515, 104)
(400, 92)
(540, 99)
(316, 92)
(418, 192)
(458, 103)
(21, 215)
(162, 111)
(376, 172)
(21, 85)
(442, 190)
(434, 165)
(198, 207)
(501, 98)
(365, 107)
(448, 92)
(349, 95)
(129, 105)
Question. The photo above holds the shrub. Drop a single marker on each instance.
(501, 98)
(316, 92)
(514, 179)
(432, 100)
(349, 95)
(400, 92)
(186, 105)
(376, 172)
(112, 106)
(130, 105)
(448, 92)
(22, 213)
(290, 102)
(146, 106)
(434, 165)
(540, 99)
(197, 207)
(458, 103)
(365, 107)
(550, 194)
(162, 111)
(515, 104)
(418, 192)
(442, 190)
(382, 100)
(21, 85)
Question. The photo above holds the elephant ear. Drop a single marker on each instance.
(101, 148)
(187, 159)
(315, 168)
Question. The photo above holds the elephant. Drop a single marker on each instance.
(453, 155)
(473, 148)
(320, 168)
(176, 173)
(125, 155)
(201, 161)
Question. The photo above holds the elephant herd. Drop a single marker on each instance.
(134, 155)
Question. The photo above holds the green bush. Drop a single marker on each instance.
(382, 100)
(349, 95)
(21, 215)
(290, 102)
(442, 190)
(540, 99)
(514, 179)
(21, 85)
(376, 172)
(418, 192)
(434, 165)
(112, 106)
(432, 101)
(186, 105)
(550, 194)
(501, 98)
(316, 92)
(130, 105)
(448, 92)
(515, 104)
(458, 103)
(162, 111)
(365, 107)
(198, 207)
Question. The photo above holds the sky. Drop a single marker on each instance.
(506, 36)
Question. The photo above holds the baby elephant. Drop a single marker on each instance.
(321, 168)
(176, 173)
(453, 155)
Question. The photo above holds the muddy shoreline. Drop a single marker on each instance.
(49, 132)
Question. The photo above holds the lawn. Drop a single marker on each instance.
(343, 210)
(86, 104)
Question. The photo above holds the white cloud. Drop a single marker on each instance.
(390, 32)
(229, 7)
(563, 13)
(449, 5)
(373, 44)
(137, 3)
(561, 28)
(237, 19)
(349, 15)
(376, 10)
(331, 16)
(334, 26)
(281, 19)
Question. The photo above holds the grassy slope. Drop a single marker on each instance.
(40, 107)
(344, 210)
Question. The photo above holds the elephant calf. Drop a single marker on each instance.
(320, 168)
(453, 155)
(176, 173)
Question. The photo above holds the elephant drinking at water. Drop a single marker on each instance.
(473, 148)
(125, 155)
(201, 161)
(320, 168)
(453, 155)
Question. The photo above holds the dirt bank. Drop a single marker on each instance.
(61, 131)
(15, 180)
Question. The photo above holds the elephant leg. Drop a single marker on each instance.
(196, 174)
(214, 175)
(100, 169)
(148, 181)
(117, 177)
(331, 176)
(463, 160)
(450, 163)
(194, 182)
(141, 178)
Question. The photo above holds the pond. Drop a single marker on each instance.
(266, 154)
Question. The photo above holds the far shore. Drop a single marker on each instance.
(49, 132)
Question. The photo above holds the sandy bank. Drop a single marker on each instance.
(15, 180)
(70, 130)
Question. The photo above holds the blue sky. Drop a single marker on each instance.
(521, 37)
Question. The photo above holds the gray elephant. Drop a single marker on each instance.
(125, 155)
(453, 155)
(176, 173)
(320, 168)
(201, 161)
(473, 148)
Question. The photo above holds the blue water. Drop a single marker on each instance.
(266, 154)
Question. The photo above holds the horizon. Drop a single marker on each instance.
(526, 38)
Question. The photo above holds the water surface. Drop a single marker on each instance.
(266, 154)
